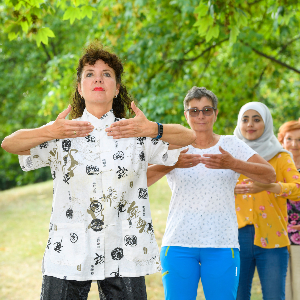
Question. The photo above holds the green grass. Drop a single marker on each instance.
(24, 219)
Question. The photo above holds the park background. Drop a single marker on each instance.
(241, 50)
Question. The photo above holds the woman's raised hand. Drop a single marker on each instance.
(63, 128)
(219, 161)
(134, 127)
(187, 160)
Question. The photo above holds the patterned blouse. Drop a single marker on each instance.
(101, 223)
(293, 209)
(268, 211)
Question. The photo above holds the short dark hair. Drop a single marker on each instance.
(198, 93)
(92, 53)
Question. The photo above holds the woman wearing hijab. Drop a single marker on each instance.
(261, 208)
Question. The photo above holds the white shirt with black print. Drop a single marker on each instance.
(202, 208)
(101, 223)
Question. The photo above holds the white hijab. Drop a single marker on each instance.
(267, 144)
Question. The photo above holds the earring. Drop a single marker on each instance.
(116, 96)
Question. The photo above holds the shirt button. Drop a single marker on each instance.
(250, 209)
(250, 222)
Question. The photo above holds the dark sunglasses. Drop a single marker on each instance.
(207, 111)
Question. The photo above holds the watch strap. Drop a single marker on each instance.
(160, 131)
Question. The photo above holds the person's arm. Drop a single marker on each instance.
(287, 187)
(21, 141)
(295, 227)
(140, 126)
(156, 172)
(255, 167)
(249, 186)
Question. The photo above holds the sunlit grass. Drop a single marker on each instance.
(24, 219)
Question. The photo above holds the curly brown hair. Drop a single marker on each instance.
(286, 127)
(93, 52)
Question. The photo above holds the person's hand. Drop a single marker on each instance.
(295, 227)
(63, 128)
(249, 186)
(218, 161)
(134, 127)
(187, 160)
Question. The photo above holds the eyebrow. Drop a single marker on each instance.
(255, 116)
(94, 70)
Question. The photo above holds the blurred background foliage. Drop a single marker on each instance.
(241, 50)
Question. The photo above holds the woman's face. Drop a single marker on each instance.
(252, 125)
(201, 122)
(98, 84)
(291, 142)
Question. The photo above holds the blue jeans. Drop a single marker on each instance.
(271, 266)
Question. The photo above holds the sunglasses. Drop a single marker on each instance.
(207, 111)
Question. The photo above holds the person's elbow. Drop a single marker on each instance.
(5, 145)
(9, 146)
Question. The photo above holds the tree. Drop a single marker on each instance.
(241, 50)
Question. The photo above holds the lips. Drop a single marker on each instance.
(251, 131)
(98, 89)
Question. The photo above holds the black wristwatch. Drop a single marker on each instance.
(160, 131)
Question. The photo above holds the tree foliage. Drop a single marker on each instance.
(241, 50)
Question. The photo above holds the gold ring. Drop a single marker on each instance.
(74, 132)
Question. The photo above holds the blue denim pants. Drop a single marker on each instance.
(271, 267)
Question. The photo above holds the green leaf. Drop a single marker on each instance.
(203, 26)
(24, 26)
(72, 13)
(87, 11)
(12, 36)
(14, 2)
(212, 32)
(201, 10)
(233, 34)
(36, 11)
(43, 34)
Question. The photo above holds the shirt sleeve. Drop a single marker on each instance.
(157, 153)
(290, 185)
(40, 156)
(237, 148)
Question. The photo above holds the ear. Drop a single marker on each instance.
(118, 89)
(79, 88)
(216, 115)
(185, 114)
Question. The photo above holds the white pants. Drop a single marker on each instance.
(292, 288)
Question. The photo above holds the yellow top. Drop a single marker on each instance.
(268, 211)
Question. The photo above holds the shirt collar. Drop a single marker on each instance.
(105, 121)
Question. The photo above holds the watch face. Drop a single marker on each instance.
(160, 131)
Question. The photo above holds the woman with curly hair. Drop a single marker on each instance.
(289, 137)
(100, 225)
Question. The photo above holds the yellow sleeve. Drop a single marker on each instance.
(288, 177)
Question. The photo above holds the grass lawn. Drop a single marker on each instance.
(24, 219)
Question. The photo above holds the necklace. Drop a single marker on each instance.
(207, 146)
